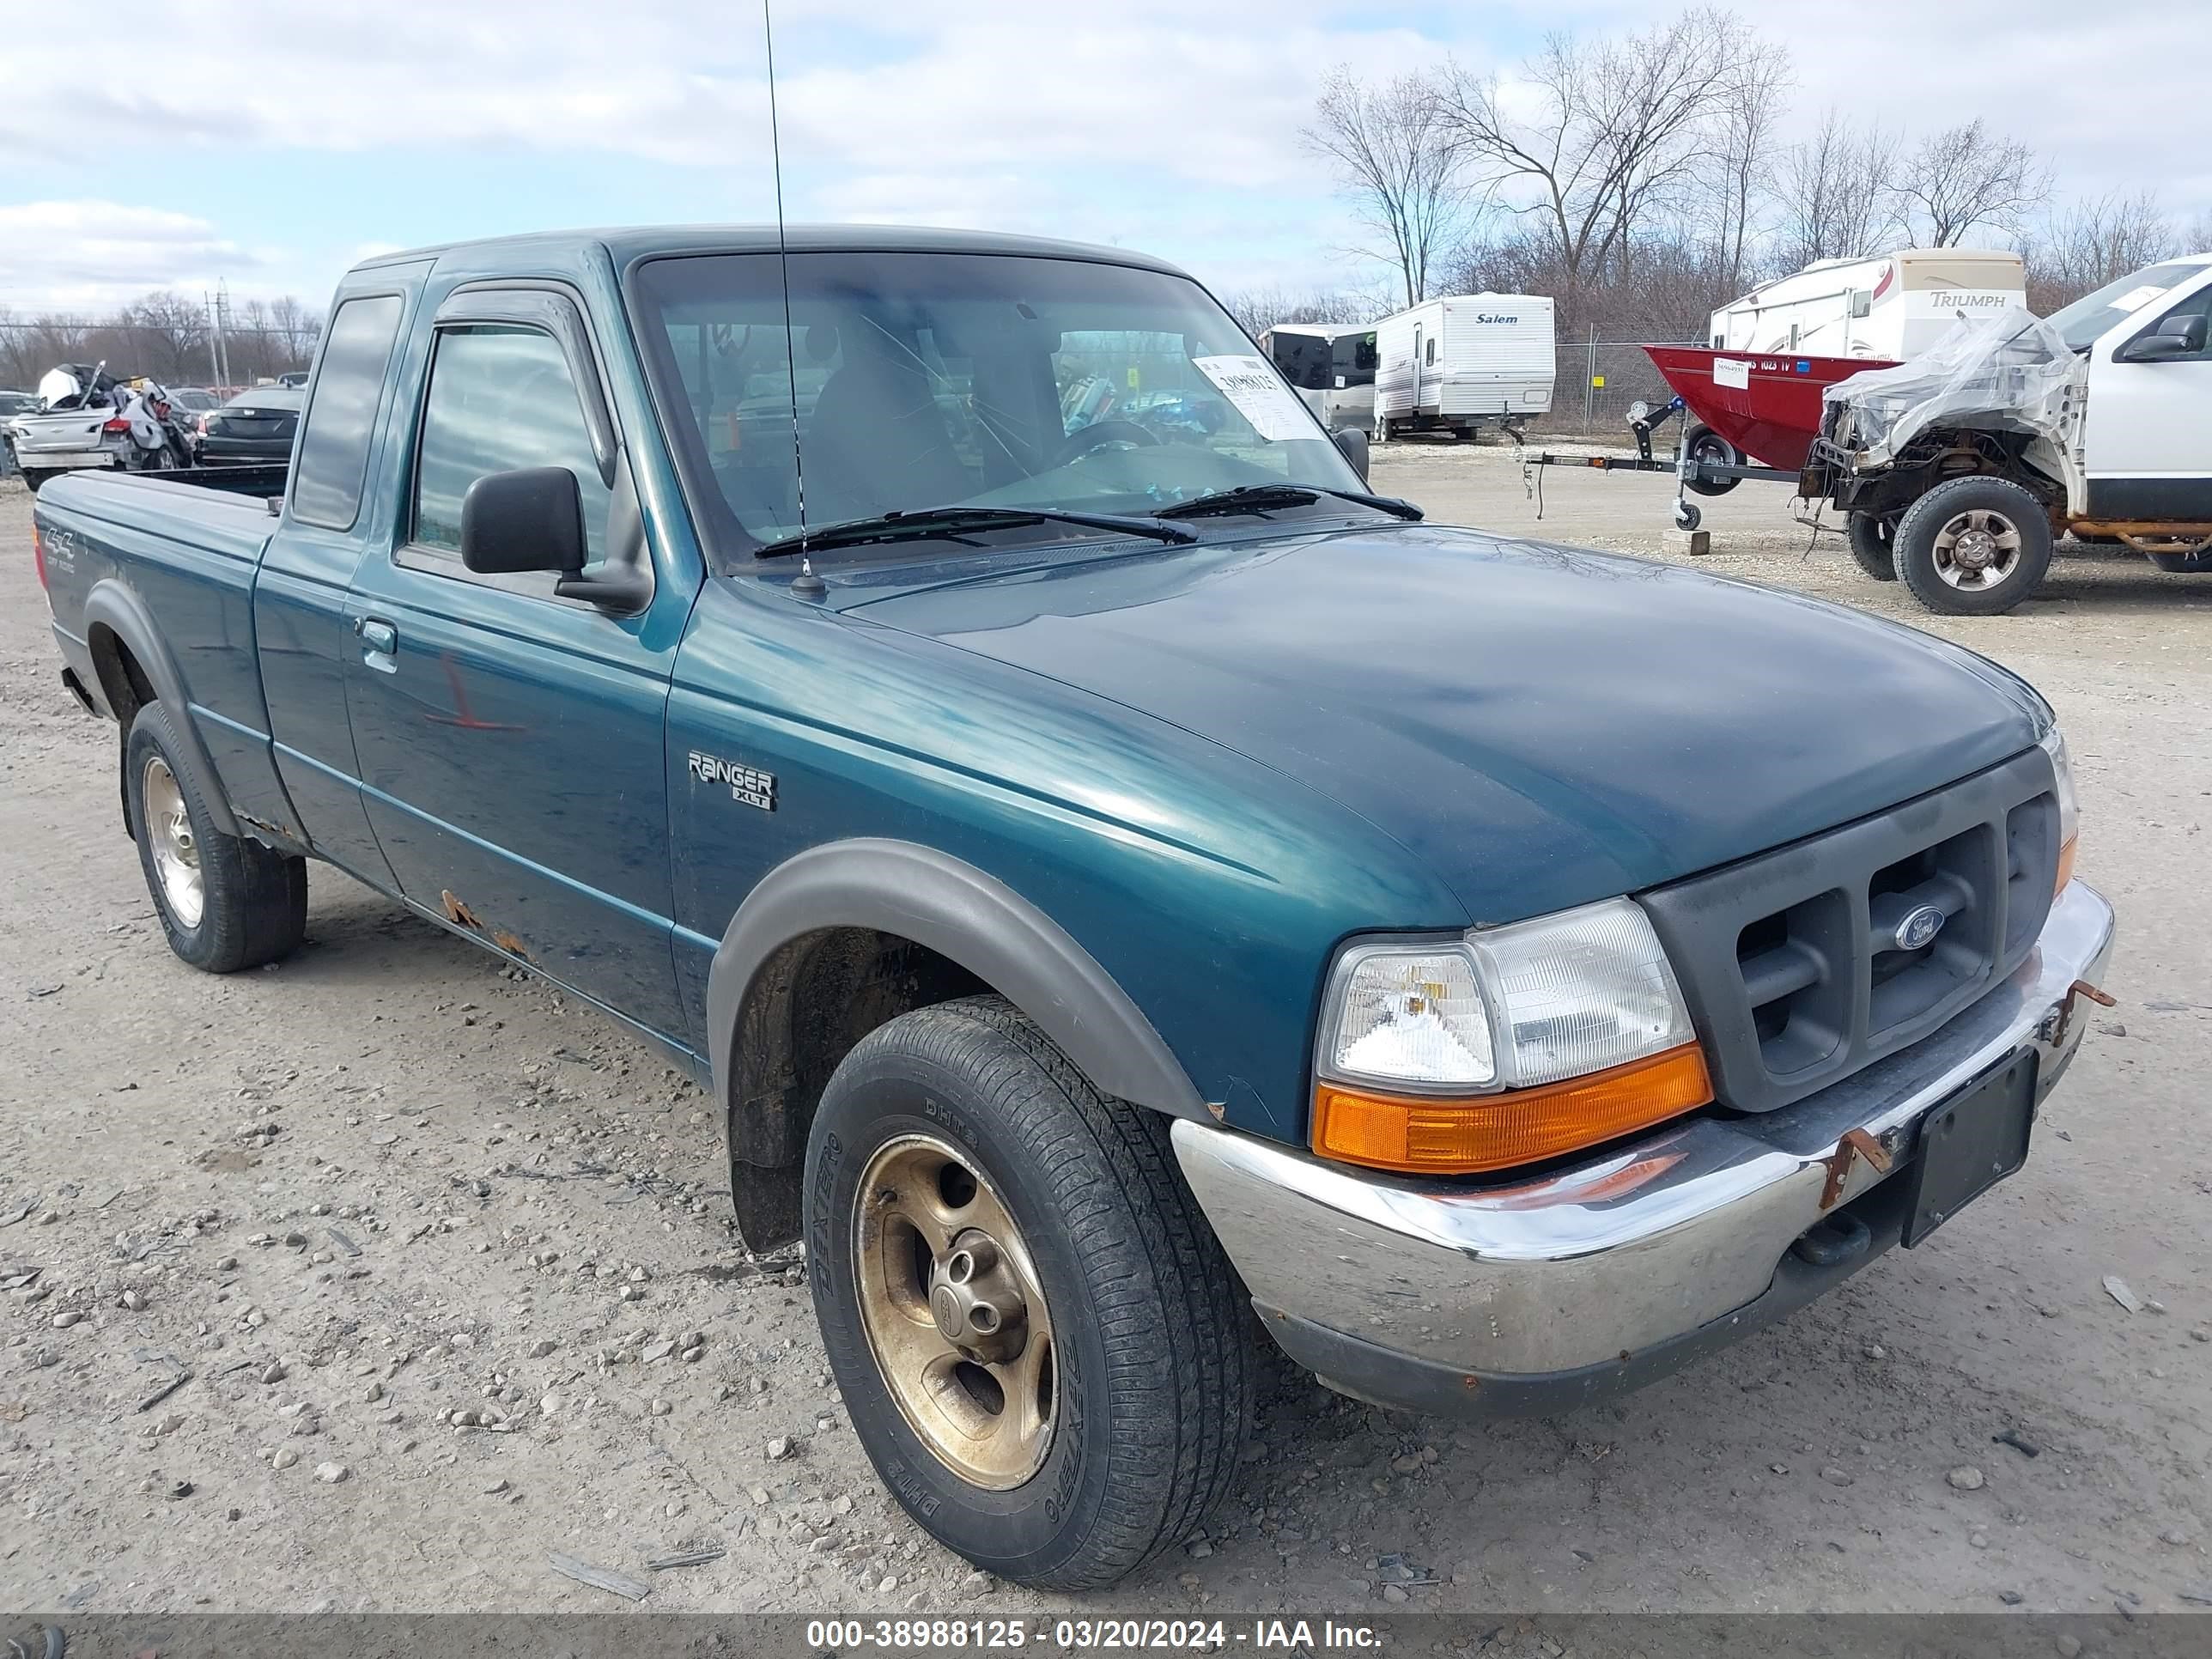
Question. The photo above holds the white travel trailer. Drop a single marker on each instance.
(1453, 364)
(1331, 365)
(1892, 306)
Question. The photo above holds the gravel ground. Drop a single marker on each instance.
(447, 1259)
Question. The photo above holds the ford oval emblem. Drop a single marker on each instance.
(1919, 927)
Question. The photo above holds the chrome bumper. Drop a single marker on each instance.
(1599, 1278)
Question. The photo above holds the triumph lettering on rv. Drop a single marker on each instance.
(747, 784)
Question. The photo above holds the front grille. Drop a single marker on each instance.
(1794, 964)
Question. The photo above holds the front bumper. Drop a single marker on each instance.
(1595, 1279)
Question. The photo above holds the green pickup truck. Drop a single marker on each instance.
(1128, 884)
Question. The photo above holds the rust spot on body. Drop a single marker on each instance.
(456, 912)
(508, 943)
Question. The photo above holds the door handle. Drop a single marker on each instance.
(381, 637)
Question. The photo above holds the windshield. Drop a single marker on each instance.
(1355, 359)
(941, 380)
(2090, 318)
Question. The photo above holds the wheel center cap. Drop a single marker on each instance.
(1974, 551)
(976, 1301)
(945, 1306)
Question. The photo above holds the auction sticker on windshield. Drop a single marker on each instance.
(1272, 408)
(2136, 298)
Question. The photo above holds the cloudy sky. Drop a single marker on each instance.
(269, 143)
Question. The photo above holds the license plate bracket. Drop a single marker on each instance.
(1969, 1144)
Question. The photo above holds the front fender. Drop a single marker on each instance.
(968, 917)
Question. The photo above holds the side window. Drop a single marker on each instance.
(2198, 304)
(1429, 355)
(500, 397)
(333, 458)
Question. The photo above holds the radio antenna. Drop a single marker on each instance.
(806, 584)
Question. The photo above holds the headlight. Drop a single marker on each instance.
(2069, 809)
(1508, 1045)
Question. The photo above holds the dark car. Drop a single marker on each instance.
(254, 428)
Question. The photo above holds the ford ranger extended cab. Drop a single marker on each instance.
(1117, 874)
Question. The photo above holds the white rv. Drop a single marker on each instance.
(1331, 365)
(1452, 365)
(1892, 306)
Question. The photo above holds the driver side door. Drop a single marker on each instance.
(2148, 435)
(510, 738)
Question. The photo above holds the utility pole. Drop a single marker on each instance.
(215, 359)
(221, 331)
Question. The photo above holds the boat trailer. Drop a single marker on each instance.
(1692, 472)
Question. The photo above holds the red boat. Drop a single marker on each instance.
(1767, 404)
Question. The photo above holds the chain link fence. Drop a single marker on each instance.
(1598, 380)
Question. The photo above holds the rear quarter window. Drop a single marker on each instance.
(333, 462)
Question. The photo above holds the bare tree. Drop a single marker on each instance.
(1750, 101)
(1837, 193)
(1594, 138)
(1258, 309)
(1967, 178)
(298, 329)
(165, 336)
(2090, 243)
(1392, 155)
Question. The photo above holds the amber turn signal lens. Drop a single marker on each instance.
(1469, 1134)
(2065, 866)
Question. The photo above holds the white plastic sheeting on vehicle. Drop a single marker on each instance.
(2009, 373)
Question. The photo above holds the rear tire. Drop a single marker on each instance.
(1873, 544)
(2183, 564)
(1973, 547)
(225, 902)
(1111, 1442)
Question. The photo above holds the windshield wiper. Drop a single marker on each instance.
(919, 523)
(1261, 498)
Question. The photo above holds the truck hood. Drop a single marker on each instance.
(1542, 726)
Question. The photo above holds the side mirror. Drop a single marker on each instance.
(1353, 443)
(2174, 336)
(531, 519)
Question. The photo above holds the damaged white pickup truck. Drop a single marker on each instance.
(1959, 471)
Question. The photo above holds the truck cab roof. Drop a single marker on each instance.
(627, 245)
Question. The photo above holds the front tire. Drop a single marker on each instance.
(33, 476)
(1873, 544)
(1973, 547)
(225, 903)
(970, 1195)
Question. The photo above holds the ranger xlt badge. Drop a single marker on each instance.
(747, 784)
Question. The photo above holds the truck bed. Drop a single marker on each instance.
(227, 511)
